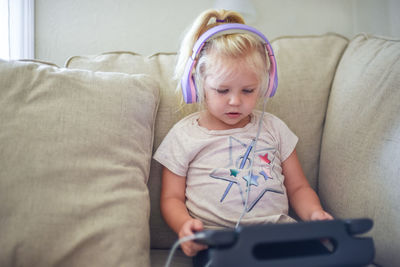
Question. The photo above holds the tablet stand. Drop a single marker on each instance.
(317, 243)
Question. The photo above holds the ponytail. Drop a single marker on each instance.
(203, 22)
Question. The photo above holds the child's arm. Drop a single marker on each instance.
(302, 197)
(175, 213)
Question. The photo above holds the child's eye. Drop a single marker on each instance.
(248, 91)
(222, 91)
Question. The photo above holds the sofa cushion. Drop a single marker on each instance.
(359, 169)
(160, 66)
(112, 62)
(75, 150)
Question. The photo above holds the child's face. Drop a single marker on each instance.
(230, 99)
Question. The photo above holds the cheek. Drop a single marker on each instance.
(206, 97)
(214, 104)
(210, 96)
(252, 103)
(211, 103)
(208, 101)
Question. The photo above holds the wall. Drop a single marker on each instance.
(74, 27)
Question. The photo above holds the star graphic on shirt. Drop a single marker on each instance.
(265, 158)
(251, 179)
(237, 171)
(234, 172)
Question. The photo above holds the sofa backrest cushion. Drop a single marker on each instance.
(75, 149)
(306, 67)
(359, 169)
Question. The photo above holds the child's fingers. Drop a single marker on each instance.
(197, 247)
(326, 216)
(197, 225)
(188, 228)
(187, 249)
(321, 215)
(191, 248)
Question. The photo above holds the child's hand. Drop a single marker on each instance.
(320, 215)
(190, 227)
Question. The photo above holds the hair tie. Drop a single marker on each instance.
(220, 20)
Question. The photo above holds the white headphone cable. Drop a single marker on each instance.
(178, 243)
(252, 161)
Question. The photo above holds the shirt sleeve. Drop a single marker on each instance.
(173, 152)
(287, 140)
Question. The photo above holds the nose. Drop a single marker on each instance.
(234, 100)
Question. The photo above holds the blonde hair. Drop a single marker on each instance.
(211, 58)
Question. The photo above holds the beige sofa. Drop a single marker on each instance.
(77, 183)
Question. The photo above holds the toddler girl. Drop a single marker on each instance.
(228, 163)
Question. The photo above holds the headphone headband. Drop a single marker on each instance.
(188, 84)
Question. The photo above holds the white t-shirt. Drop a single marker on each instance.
(216, 164)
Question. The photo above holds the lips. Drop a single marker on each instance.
(233, 115)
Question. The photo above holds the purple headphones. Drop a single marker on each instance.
(188, 84)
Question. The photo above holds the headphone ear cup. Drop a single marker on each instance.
(193, 89)
(272, 74)
(187, 83)
(275, 85)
